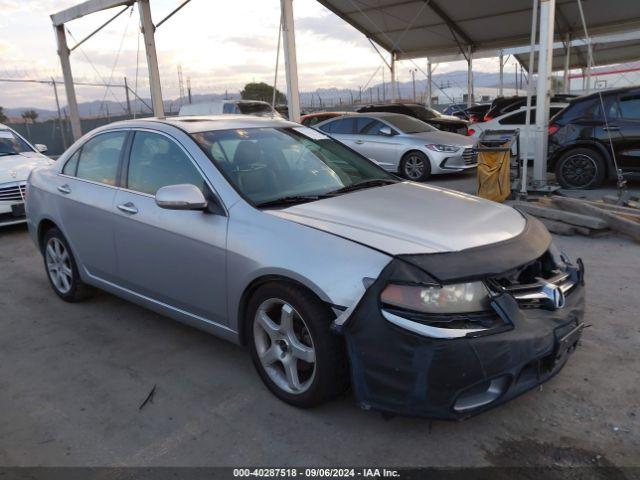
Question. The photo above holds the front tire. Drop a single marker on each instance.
(61, 267)
(580, 168)
(296, 355)
(415, 166)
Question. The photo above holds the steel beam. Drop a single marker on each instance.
(394, 94)
(148, 31)
(290, 60)
(469, 76)
(86, 8)
(543, 93)
(65, 63)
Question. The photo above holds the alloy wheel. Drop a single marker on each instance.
(579, 170)
(284, 346)
(414, 167)
(59, 265)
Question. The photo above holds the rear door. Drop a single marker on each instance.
(628, 146)
(383, 149)
(175, 257)
(87, 186)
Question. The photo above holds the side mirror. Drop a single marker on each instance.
(181, 197)
(41, 148)
(386, 131)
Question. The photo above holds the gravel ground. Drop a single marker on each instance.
(72, 378)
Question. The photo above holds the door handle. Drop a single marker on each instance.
(65, 189)
(359, 142)
(128, 208)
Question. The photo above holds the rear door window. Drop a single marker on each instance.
(100, 157)
(518, 118)
(629, 107)
(343, 126)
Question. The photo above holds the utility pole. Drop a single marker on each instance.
(62, 132)
(189, 89)
(291, 61)
(148, 31)
(501, 86)
(126, 92)
(429, 83)
(413, 80)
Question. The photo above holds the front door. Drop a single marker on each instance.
(175, 257)
(628, 151)
(383, 149)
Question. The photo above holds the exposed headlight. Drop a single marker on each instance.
(458, 298)
(437, 147)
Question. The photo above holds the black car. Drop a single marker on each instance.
(428, 115)
(502, 105)
(589, 132)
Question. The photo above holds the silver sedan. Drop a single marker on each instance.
(272, 235)
(403, 144)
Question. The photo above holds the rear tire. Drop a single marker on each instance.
(296, 355)
(61, 267)
(415, 166)
(580, 168)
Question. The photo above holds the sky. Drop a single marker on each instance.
(220, 44)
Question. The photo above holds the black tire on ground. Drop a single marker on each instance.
(76, 290)
(329, 375)
(581, 168)
(415, 166)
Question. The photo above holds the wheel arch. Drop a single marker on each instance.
(44, 226)
(250, 289)
(598, 147)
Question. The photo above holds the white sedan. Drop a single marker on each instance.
(516, 120)
(17, 158)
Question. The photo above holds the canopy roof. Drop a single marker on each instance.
(606, 50)
(424, 28)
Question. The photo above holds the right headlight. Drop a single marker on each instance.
(449, 299)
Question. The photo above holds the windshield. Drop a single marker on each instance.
(261, 109)
(11, 144)
(268, 164)
(424, 113)
(408, 124)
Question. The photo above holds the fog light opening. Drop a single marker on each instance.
(482, 394)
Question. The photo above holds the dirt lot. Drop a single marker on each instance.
(73, 376)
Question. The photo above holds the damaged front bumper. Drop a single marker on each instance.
(401, 370)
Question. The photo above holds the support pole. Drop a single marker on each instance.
(543, 94)
(290, 60)
(394, 96)
(527, 121)
(148, 30)
(501, 84)
(567, 64)
(72, 102)
(469, 77)
(62, 132)
(126, 92)
(429, 83)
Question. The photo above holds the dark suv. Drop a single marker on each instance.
(583, 136)
(445, 123)
(502, 105)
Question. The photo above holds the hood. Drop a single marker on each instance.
(445, 138)
(16, 168)
(410, 218)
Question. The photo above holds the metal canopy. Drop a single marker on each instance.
(85, 8)
(424, 28)
(606, 50)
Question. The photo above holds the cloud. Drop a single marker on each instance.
(329, 27)
(259, 44)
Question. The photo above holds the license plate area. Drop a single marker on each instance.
(17, 210)
(567, 343)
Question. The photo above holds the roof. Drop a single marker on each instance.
(423, 28)
(194, 124)
(607, 50)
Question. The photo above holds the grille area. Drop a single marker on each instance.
(470, 156)
(534, 284)
(13, 193)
